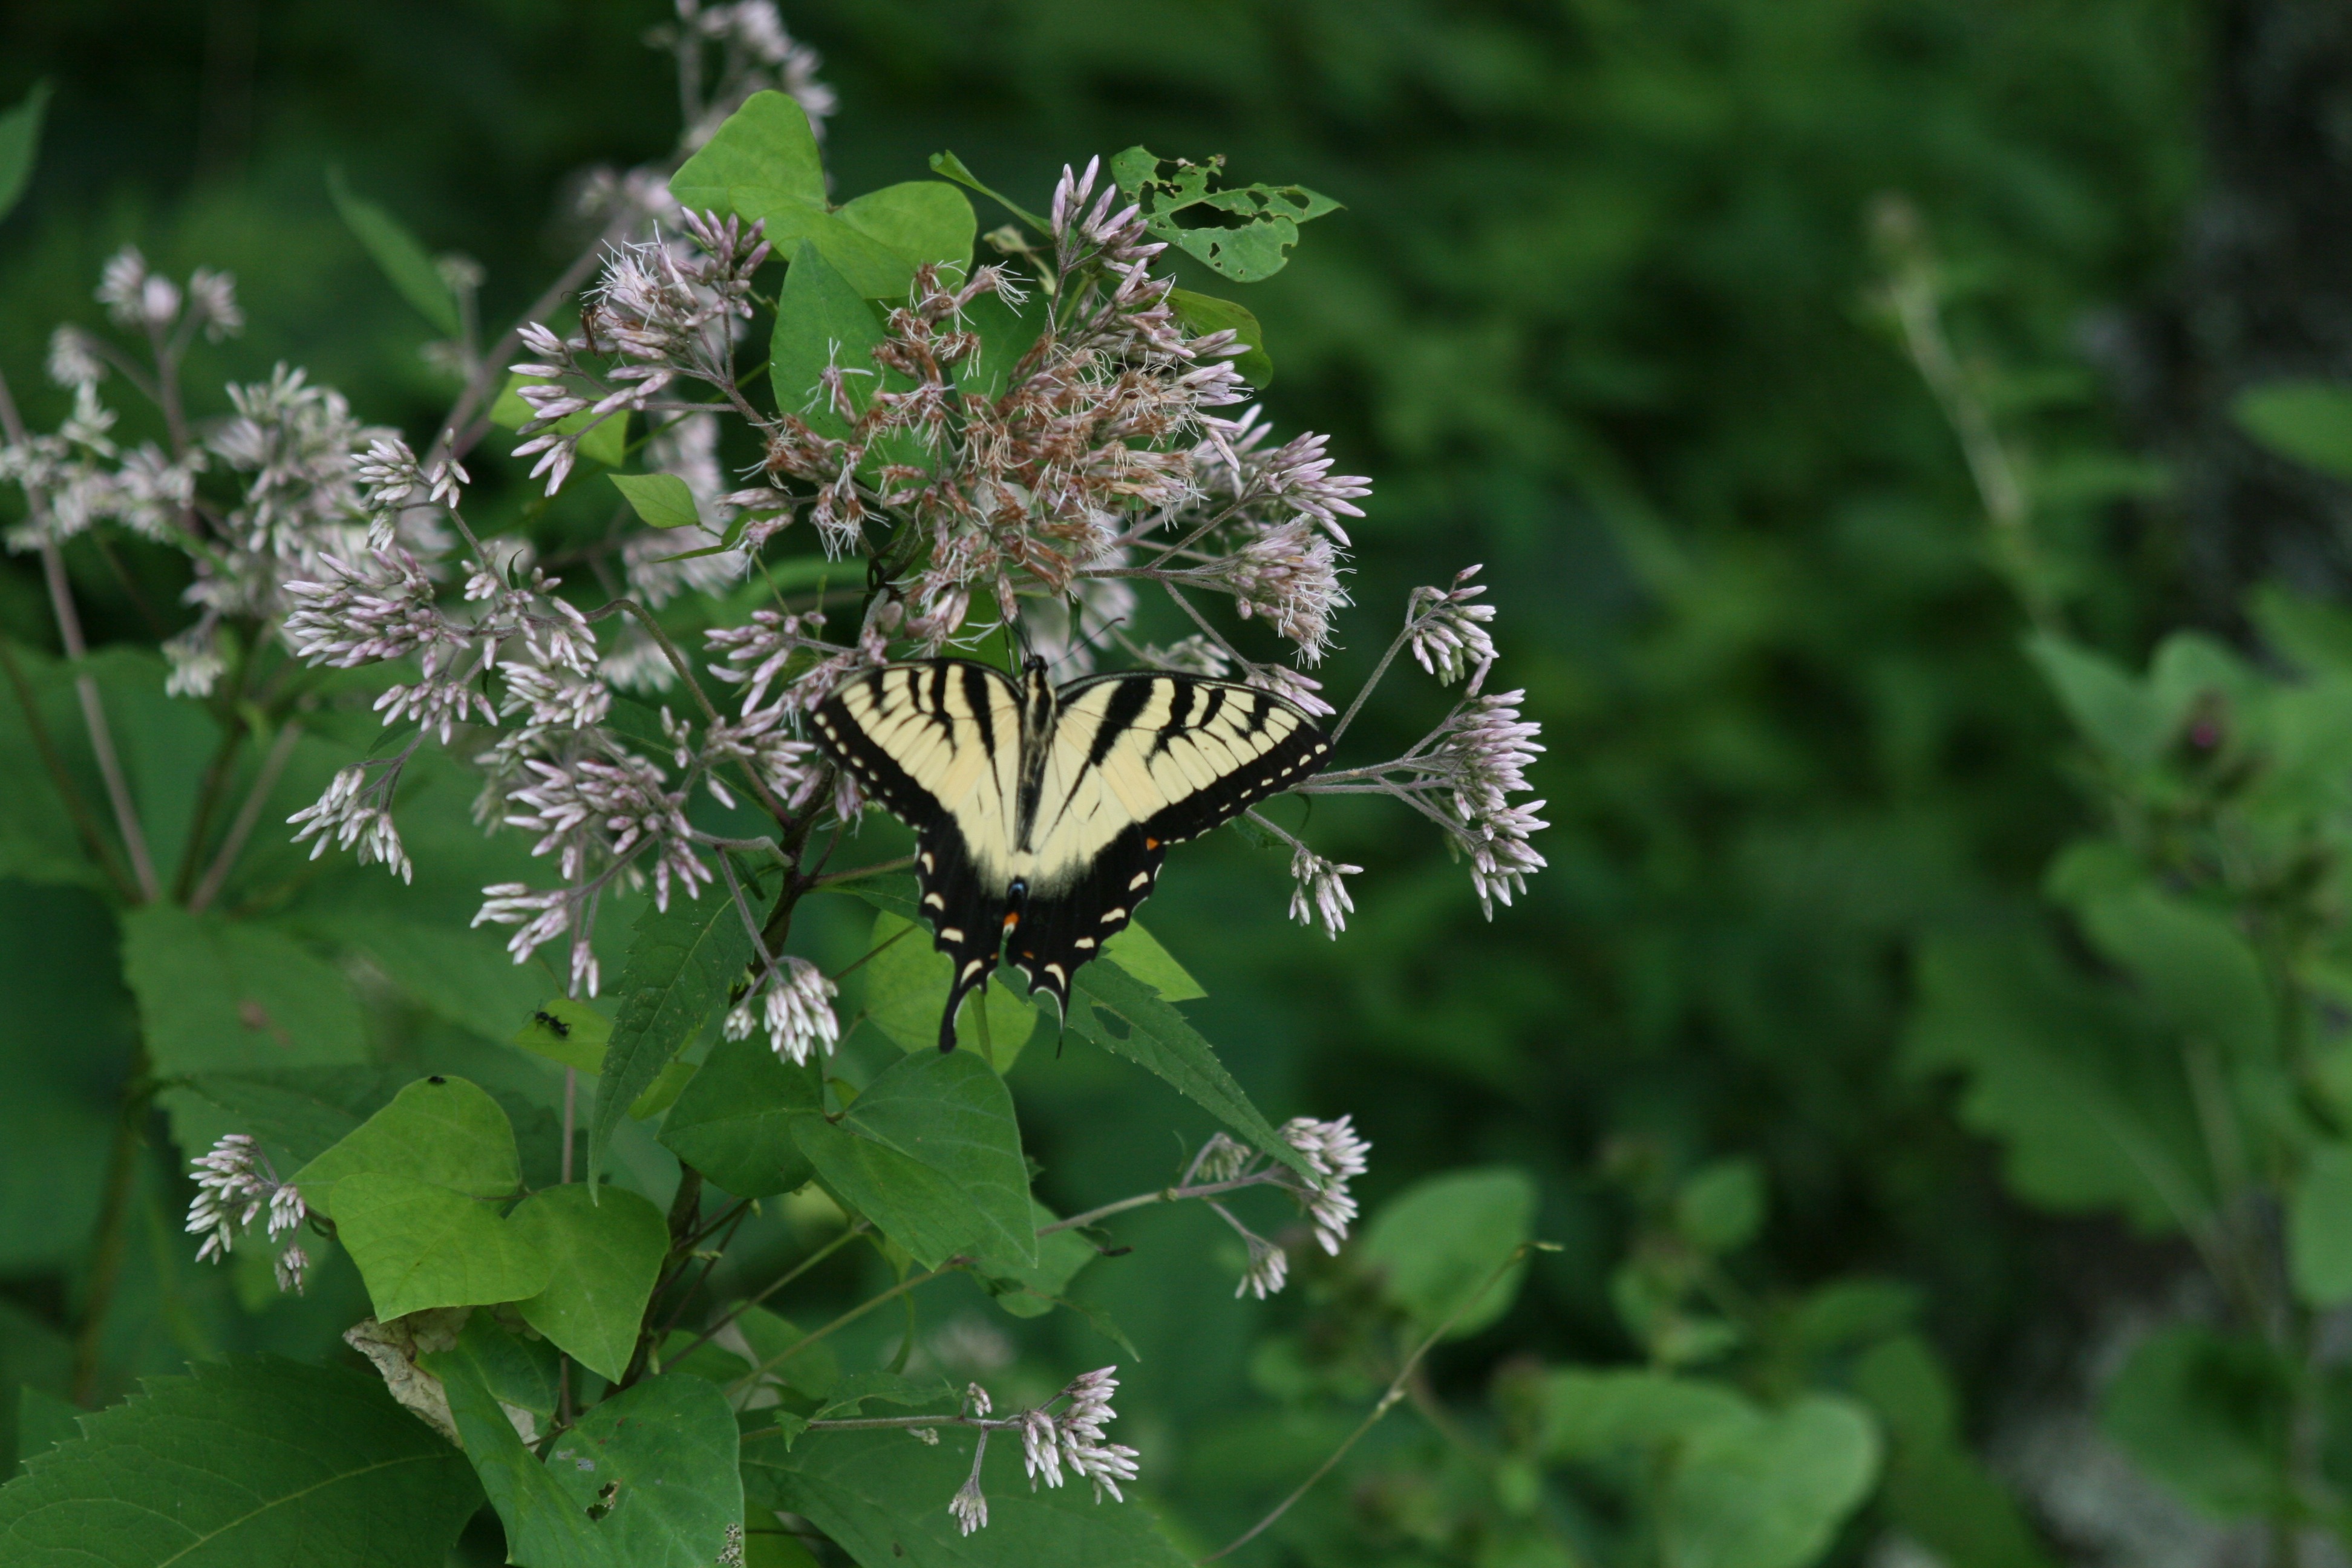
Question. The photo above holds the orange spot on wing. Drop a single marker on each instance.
(1012, 920)
(1149, 842)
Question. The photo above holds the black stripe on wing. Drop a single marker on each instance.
(967, 919)
(1290, 761)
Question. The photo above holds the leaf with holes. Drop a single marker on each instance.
(647, 1479)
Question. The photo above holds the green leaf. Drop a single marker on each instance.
(2314, 634)
(821, 322)
(1007, 333)
(733, 1122)
(2319, 1227)
(1735, 1486)
(524, 1373)
(931, 1153)
(1138, 952)
(1721, 1206)
(1126, 1018)
(20, 143)
(220, 995)
(605, 1250)
(762, 164)
(907, 986)
(918, 221)
(1204, 313)
(2115, 711)
(660, 501)
(1441, 1240)
(298, 1111)
(1033, 1290)
(2089, 1104)
(604, 441)
(419, 1244)
(543, 1525)
(1936, 1490)
(680, 966)
(2206, 1415)
(1254, 249)
(398, 252)
(763, 155)
(568, 1032)
(248, 1460)
(443, 1131)
(2201, 972)
(1769, 1491)
(647, 1479)
(2309, 422)
(1589, 1415)
(948, 166)
(668, 1448)
(884, 1500)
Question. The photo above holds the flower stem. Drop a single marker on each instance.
(751, 1378)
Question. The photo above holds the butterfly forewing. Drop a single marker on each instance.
(1143, 760)
(939, 746)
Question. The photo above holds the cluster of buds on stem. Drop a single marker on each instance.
(1065, 1434)
(236, 1183)
(1332, 1153)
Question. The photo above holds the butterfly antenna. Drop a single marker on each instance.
(1100, 632)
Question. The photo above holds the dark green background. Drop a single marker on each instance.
(1595, 314)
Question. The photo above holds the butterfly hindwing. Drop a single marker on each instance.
(1058, 932)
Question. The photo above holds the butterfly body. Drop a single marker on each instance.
(1042, 814)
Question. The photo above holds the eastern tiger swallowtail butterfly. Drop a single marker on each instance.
(1042, 814)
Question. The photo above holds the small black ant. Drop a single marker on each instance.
(554, 1024)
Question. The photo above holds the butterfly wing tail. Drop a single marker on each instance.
(967, 924)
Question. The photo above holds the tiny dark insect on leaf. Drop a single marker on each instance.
(552, 1024)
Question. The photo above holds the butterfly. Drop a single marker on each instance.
(1042, 812)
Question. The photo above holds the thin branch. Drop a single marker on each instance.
(803, 1266)
(248, 814)
(1379, 670)
(751, 1379)
(1164, 1195)
(880, 867)
(1396, 1390)
(93, 711)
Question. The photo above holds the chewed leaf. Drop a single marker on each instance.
(1244, 233)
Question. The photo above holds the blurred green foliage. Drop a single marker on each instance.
(1599, 312)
